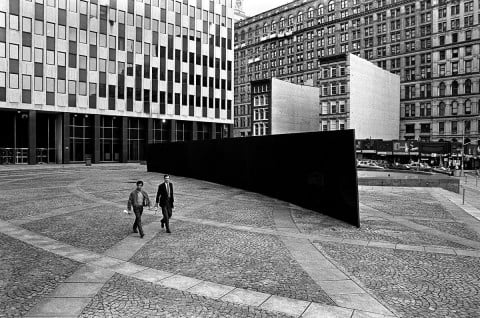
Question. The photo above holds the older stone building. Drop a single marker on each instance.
(433, 45)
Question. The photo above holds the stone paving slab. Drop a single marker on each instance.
(152, 275)
(90, 274)
(285, 305)
(317, 311)
(76, 290)
(59, 307)
(180, 282)
(362, 302)
(246, 297)
(210, 290)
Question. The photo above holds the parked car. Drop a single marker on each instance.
(443, 170)
(368, 165)
(420, 166)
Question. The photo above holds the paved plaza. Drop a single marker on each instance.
(67, 250)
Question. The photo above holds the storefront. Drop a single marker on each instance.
(31, 137)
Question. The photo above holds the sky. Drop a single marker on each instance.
(253, 7)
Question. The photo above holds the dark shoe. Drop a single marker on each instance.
(163, 224)
(135, 231)
(168, 231)
(142, 235)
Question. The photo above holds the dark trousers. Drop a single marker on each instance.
(167, 214)
(138, 210)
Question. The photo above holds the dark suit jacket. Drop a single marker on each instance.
(162, 196)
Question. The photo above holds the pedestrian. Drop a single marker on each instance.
(165, 199)
(138, 199)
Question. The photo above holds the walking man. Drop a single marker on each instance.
(138, 199)
(165, 199)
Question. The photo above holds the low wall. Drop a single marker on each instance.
(316, 170)
(449, 184)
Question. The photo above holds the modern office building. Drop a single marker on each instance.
(103, 78)
(357, 94)
(433, 45)
(280, 107)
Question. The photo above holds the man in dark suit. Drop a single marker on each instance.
(165, 199)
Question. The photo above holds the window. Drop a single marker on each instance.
(83, 7)
(468, 107)
(3, 16)
(72, 87)
(26, 82)
(62, 58)
(82, 88)
(38, 55)
(82, 36)
(13, 81)
(455, 108)
(61, 86)
(38, 83)
(38, 27)
(72, 5)
(441, 109)
(103, 40)
(455, 88)
(27, 25)
(62, 32)
(50, 57)
(442, 89)
(50, 83)
(13, 51)
(93, 64)
(50, 29)
(82, 61)
(72, 34)
(27, 53)
(14, 23)
(112, 42)
(93, 38)
(468, 86)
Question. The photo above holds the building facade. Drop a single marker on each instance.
(105, 78)
(357, 94)
(280, 107)
(433, 45)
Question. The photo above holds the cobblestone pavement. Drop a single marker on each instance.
(234, 258)
(379, 230)
(415, 284)
(230, 237)
(95, 229)
(126, 297)
(27, 273)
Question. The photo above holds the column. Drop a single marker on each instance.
(194, 131)
(32, 137)
(59, 138)
(66, 138)
(124, 141)
(96, 138)
(214, 131)
(173, 131)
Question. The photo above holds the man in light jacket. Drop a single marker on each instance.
(138, 199)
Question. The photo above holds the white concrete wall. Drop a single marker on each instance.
(295, 108)
(374, 101)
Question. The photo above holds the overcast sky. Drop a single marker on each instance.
(253, 7)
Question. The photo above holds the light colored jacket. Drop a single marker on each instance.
(132, 200)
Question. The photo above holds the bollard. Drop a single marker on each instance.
(465, 178)
(463, 200)
(476, 181)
